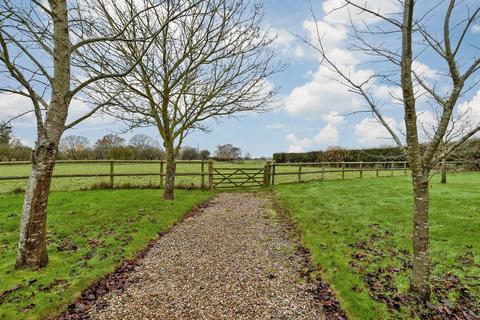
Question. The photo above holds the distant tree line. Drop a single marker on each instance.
(110, 146)
(469, 151)
(113, 146)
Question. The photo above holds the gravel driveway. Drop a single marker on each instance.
(230, 261)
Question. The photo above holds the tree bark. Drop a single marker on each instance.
(444, 171)
(168, 193)
(419, 282)
(421, 264)
(32, 248)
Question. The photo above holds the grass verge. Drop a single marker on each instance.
(359, 233)
(89, 234)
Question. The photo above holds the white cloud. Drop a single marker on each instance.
(286, 43)
(466, 118)
(12, 105)
(392, 94)
(337, 12)
(78, 108)
(424, 71)
(476, 28)
(370, 132)
(299, 52)
(327, 136)
(322, 96)
(296, 144)
(427, 123)
(470, 110)
(334, 118)
(330, 35)
(427, 119)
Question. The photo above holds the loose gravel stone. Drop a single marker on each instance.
(230, 261)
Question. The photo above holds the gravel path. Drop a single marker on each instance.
(231, 261)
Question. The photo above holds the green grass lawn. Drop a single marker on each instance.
(359, 233)
(105, 226)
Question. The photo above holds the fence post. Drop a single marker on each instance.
(391, 168)
(111, 174)
(266, 174)
(210, 174)
(343, 170)
(299, 173)
(274, 171)
(161, 174)
(361, 169)
(323, 172)
(376, 167)
(203, 175)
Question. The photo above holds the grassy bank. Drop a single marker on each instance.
(359, 232)
(89, 234)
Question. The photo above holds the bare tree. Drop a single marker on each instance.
(70, 145)
(44, 47)
(391, 44)
(110, 141)
(228, 152)
(143, 141)
(104, 146)
(204, 154)
(146, 147)
(212, 63)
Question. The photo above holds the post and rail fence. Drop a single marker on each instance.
(210, 174)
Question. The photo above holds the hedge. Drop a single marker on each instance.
(469, 151)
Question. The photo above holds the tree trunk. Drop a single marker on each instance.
(421, 264)
(32, 248)
(444, 171)
(419, 282)
(168, 193)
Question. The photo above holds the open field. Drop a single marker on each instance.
(284, 174)
(359, 232)
(89, 233)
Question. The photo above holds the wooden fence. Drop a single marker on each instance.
(343, 170)
(111, 174)
(205, 174)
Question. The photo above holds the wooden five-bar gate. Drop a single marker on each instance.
(238, 177)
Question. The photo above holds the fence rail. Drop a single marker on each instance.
(205, 174)
(343, 170)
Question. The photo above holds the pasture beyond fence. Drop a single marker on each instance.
(86, 174)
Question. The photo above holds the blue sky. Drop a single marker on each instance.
(309, 103)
